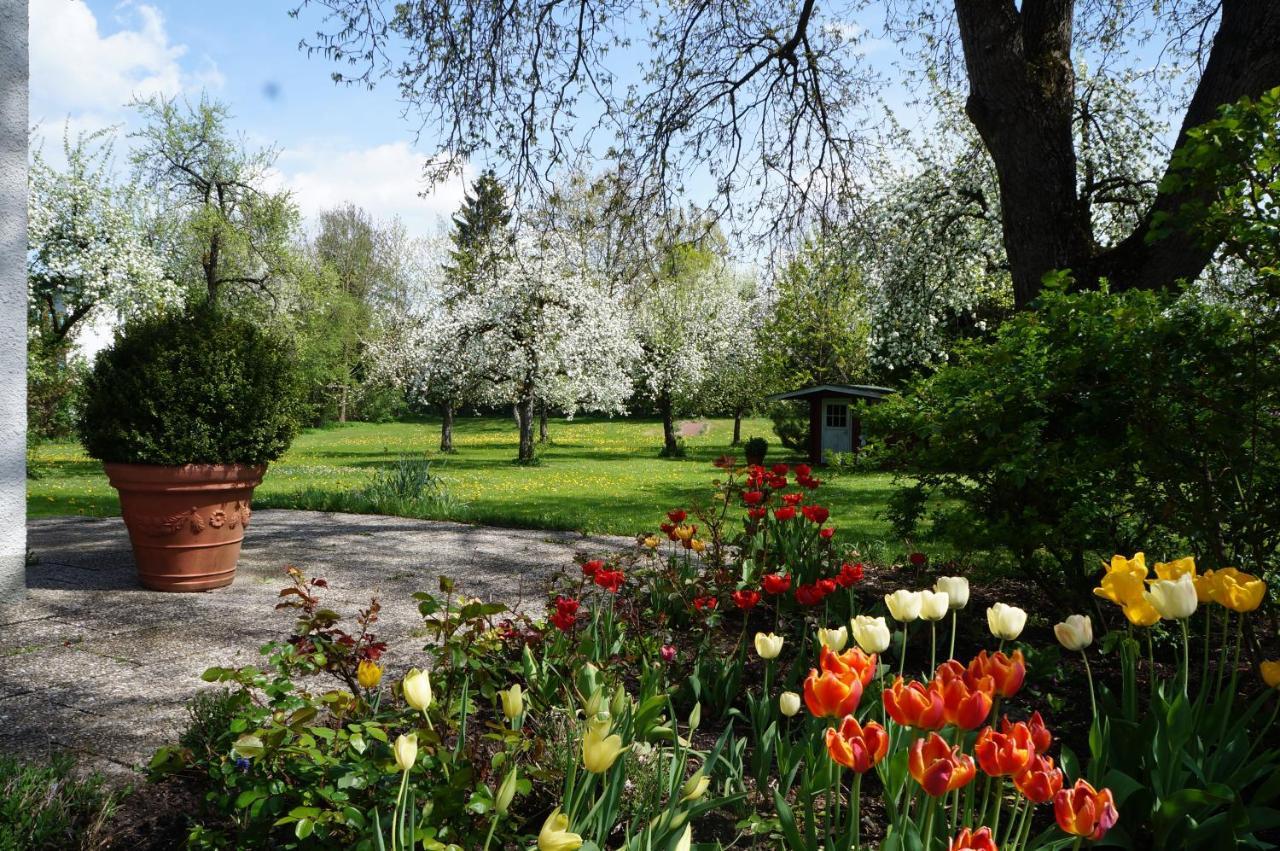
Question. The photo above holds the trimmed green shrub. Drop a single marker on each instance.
(756, 447)
(198, 387)
(1098, 423)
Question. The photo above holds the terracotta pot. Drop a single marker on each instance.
(186, 523)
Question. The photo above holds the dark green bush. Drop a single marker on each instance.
(756, 447)
(1098, 423)
(195, 387)
(791, 424)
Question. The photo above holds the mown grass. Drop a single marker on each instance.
(595, 475)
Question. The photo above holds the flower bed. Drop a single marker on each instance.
(730, 682)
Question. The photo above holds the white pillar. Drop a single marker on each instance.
(13, 298)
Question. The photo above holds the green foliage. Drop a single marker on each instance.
(756, 447)
(193, 387)
(1095, 424)
(54, 377)
(791, 424)
(46, 805)
(481, 232)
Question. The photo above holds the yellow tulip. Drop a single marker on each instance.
(555, 835)
(1124, 582)
(1176, 568)
(1239, 591)
(406, 751)
(789, 703)
(1206, 587)
(1141, 613)
(417, 689)
(600, 750)
(686, 839)
(1270, 673)
(506, 792)
(697, 545)
(651, 542)
(768, 645)
(834, 639)
(512, 701)
(368, 673)
(695, 787)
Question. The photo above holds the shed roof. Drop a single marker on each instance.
(860, 391)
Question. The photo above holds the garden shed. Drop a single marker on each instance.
(834, 423)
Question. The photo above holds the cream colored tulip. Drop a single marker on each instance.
(512, 701)
(956, 589)
(903, 605)
(555, 835)
(417, 689)
(768, 645)
(1174, 599)
(871, 634)
(1075, 633)
(686, 839)
(600, 750)
(506, 792)
(695, 787)
(834, 639)
(406, 751)
(934, 605)
(1006, 622)
(789, 703)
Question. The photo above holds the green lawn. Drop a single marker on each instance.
(596, 475)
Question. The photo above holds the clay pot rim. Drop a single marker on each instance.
(195, 476)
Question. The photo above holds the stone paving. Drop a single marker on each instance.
(93, 663)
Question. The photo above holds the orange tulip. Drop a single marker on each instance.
(969, 840)
(1040, 781)
(1007, 671)
(1040, 735)
(831, 696)
(851, 663)
(914, 705)
(1004, 754)
(964, 707)
(857, 747)
(938, 767)
(1084, 811)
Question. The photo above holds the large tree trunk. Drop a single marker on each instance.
(342, 404)
(737, 427)
(446, 426)
(1021, 97)
(669, 445)
(542, 423)
(524, 419)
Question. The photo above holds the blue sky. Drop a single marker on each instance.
(89, 57)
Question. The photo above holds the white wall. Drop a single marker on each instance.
(13, 298)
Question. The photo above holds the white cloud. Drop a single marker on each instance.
(383, 179)
(78, 72)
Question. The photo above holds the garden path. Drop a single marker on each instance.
(93, 663)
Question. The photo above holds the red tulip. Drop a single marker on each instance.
(757, 513)
(802, 470)
(1004, 754)
(610, 580)
(785, 513)
(1084, 811)
(857, 747)
(745, 599)
(777, 482)
(1007, 671)
(979, 840)
(914, 705)
(753, 497)
(938, 767)
(779, 469)
(707, 602)
(850, 574)
(816, 514)
(668, 652)
(567, 605)
(589, 568)
(826, 533)
(918, 559)
(809, 595)
(808, 482)
(677, 516)
(1040, 734)
(792, 498)
(1039, 782)
(826, 586)
(776, 583)
(830, 696)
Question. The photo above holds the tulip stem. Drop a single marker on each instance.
(933, 645)
(1088, 675)
(902, 657)
(951, 654)
(1235, 672)
(397, 817)
(1186, 656)
(855, 810)
(999, 803)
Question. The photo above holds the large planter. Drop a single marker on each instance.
(186, 523)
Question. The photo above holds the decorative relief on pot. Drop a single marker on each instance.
(159, 527)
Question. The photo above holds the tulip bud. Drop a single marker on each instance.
(1006, 622)
(406, 751)
(833, 639)
(956, 588)
(686, 839)
(695, 717)
(1174, 599)
(416, 686)
(789, 703)
(871, 634)
(903, 605)
(506, 792)
(1270, 673)
(600, 749)
(555, 834)
(594, 704)
(695, 787)
(368, 673)
(512, 702)
(1075, 633)
(619, 701)
(934, 605)
(768, 645)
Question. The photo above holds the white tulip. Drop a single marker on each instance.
(789, 703)
(871, 634)
(1174, 599)
(1006, 622)
(903, 605)
(934, 605)
(417, 689)
(834, 639)
(1075, 633)
(956, 588)
(768, 645)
